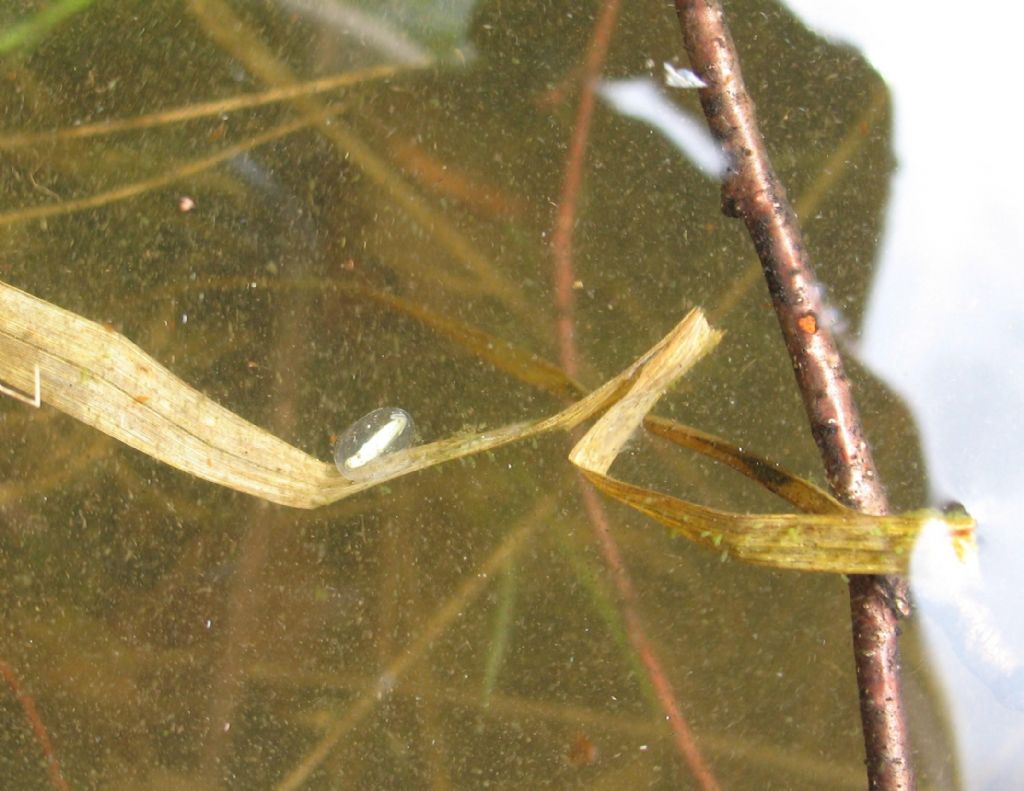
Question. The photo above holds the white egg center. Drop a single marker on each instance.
(378, 443)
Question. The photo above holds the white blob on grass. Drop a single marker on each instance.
(381, 432)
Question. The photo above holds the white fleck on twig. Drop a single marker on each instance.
(682, 78)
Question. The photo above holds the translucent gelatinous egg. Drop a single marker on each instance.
(377, 434)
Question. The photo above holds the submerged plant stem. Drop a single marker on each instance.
(502, 630)
(472, 586)
(32, 30)
(564, 284)
(156, 182)
(191, 112)
(28, 705)
(478, 272)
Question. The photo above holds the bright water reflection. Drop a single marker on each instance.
(944, 327)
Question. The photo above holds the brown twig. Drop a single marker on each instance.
(753, 193)
(568, 354)
(28, 705)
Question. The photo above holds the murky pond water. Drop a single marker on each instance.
(461, 627)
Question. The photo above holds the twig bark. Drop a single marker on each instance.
(753, 193)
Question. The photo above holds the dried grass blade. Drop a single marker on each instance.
(839, 540)
(104, 380)
(803, 494)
